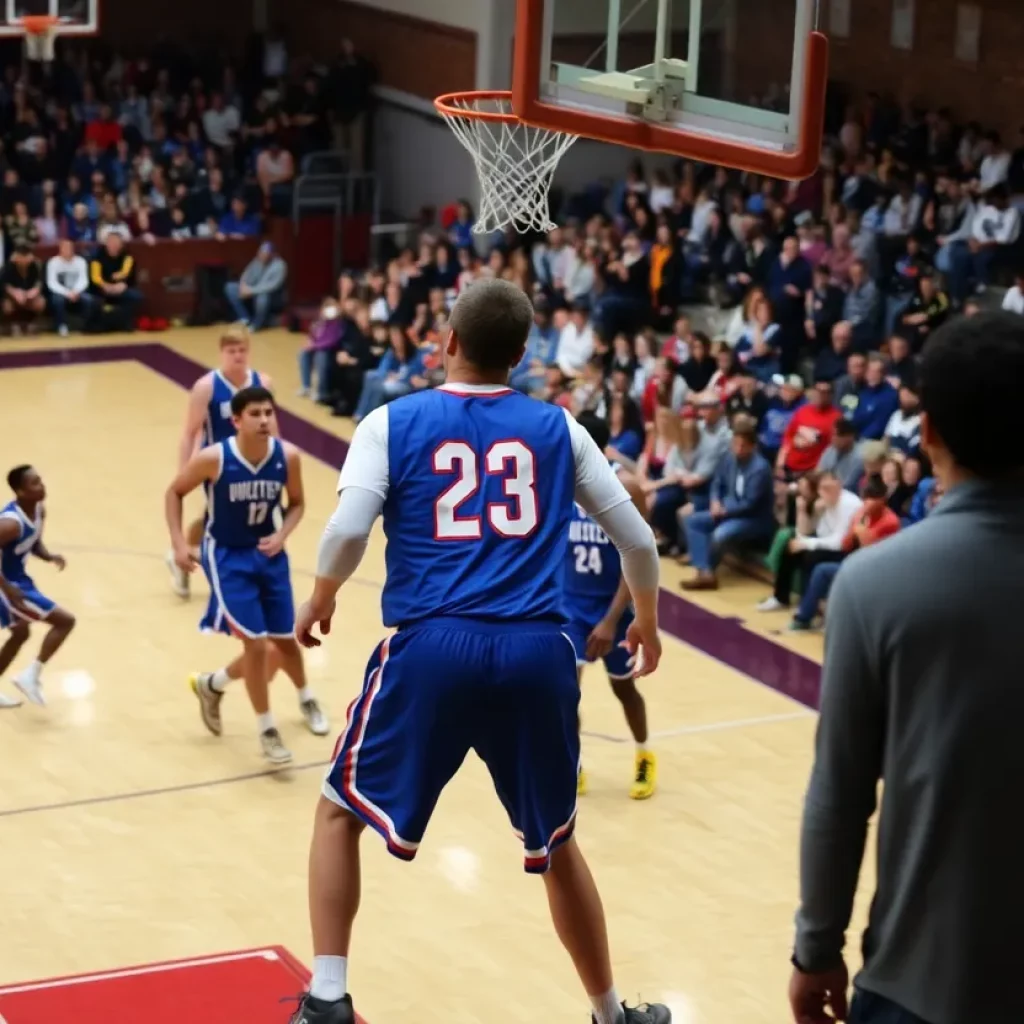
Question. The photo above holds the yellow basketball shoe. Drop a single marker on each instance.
(645, 775)
(581, 783)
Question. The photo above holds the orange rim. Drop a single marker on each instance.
(446, 104)
(38, 24)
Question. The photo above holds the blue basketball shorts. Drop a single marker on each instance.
(616, 661)
(37, 606)
(250, 594)
(435, 691)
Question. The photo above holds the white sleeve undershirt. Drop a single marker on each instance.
(364, 483)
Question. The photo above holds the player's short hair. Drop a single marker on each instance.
(596, 427)
(16, 477)
(969, 385)
(249, 396)
(235, 334)
(492, 320)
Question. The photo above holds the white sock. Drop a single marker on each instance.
(306, 693)
(330, 978)
(643, 748)
(608, 1009)
(265, 721)
(219, 680)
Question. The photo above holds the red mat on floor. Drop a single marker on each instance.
(234, 988)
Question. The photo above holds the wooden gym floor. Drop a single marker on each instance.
(129, 835)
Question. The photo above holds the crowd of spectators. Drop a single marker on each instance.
(176, 145)
(795, 428)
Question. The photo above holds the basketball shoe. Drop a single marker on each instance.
(209, 700)
(316, 1011)
(273, 747)
(647, 1013)
(645, 775)
(581, 783)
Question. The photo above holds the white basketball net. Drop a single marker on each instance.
(41, 46)
(515, 163)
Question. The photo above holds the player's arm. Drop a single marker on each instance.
(363, 489)
(44, 554)
(203, 466)
(600, 492)
(10, 533)
(602, 636)
(274, 544)
(198, 400)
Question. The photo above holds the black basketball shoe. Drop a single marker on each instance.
(316, 1011)
(648, 1013)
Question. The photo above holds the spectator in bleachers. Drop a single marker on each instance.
(832, 360)
(49, 222)
(757, 348)
(238, 222)
(748, 399)
(824, 309)
(847, 389)
(995, 165)
(221, 122)
(861, 309)
(786, 398)
(789, 281)
(67, 281)
(275, 172)
(741, 509)
(319, 352)
(1013, 300)
(903, 431)
(902, 365)
(808, 434)
(685, 476)
(260, 291)
(871, 524)
(575, 340)
(19, 228)
(400, 372)
(112, 277)
(821, 527)
(843, 457)
(994, 235)
(23, 299)
(541, 350)
(925, 313)
(876, 402)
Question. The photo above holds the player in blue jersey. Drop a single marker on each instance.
(208, 420)
(600, 611)
(21, 602)
(476, 485)
(243, 556)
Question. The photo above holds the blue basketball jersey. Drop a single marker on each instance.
(13, 555)
(244, 499)
(218, 426)
(593, 569)
(479, 500)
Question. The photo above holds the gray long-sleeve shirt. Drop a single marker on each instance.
(923, 686)
(263, 277)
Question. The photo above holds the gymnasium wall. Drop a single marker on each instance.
(132, 26)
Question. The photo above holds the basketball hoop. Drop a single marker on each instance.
(40, 36)
(514, 162)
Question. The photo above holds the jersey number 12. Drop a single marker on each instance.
(513, 461)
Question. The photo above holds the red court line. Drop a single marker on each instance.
(252, 986)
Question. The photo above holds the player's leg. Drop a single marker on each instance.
(279, 614)
(618, 665)
(61, 623)
(17, 634)
(406, 735)
(526, 733)
(236, 609)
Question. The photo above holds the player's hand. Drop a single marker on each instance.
(272, 545)
(600, 641)
(819, 998)
(184, 559)
(309, 616)
(58, 560)
(644, 645)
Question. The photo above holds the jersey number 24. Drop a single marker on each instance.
(517, 516)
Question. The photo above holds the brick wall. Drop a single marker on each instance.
(991, 92)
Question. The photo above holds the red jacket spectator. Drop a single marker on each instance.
(873, 522)
(105, 132)
(808, 435)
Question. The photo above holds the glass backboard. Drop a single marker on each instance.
(75, 17)
(700, 77)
